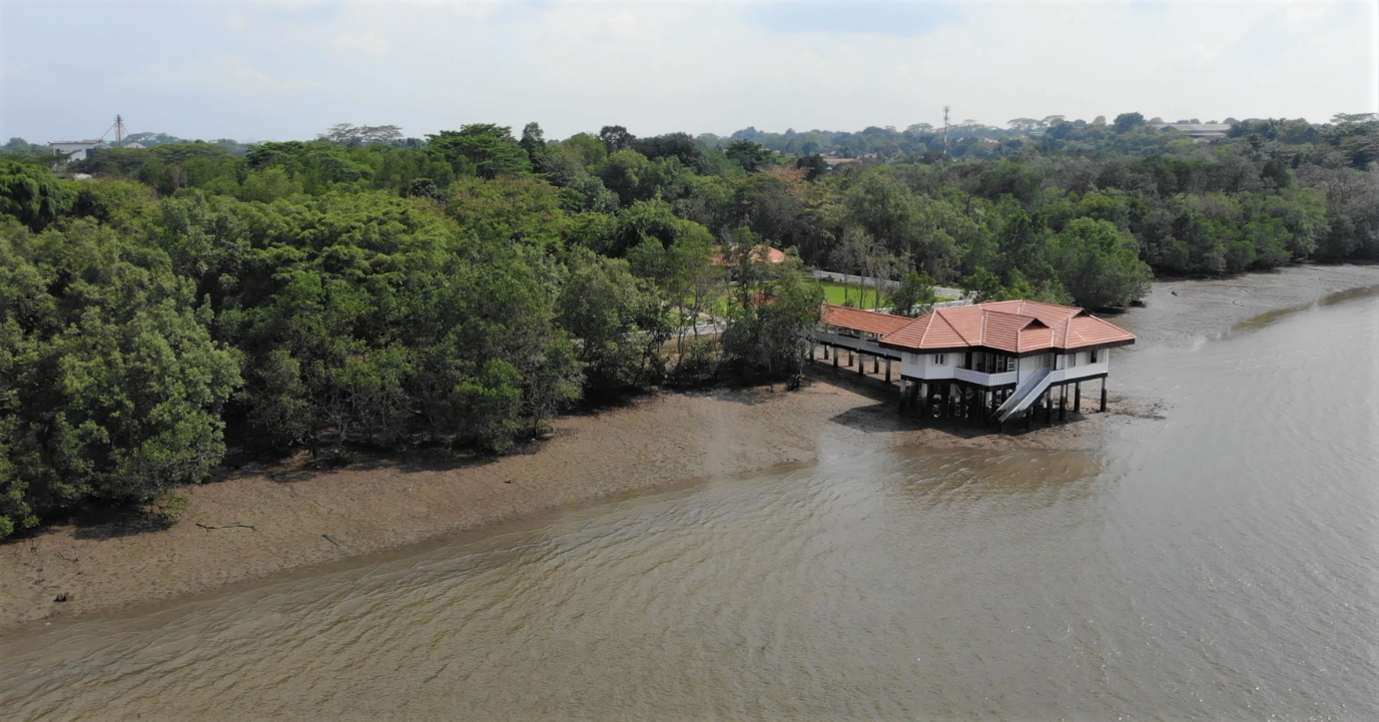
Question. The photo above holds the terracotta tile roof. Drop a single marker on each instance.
(1013, 326)
(760, 254)
(859, 320)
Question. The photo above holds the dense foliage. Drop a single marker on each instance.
(365, 290)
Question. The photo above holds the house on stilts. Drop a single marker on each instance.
(1000, 361)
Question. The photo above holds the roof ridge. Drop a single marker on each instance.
(925, 333)
(955, 328)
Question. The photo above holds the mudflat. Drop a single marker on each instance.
(260, 520)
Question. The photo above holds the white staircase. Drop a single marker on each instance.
(1025, 394)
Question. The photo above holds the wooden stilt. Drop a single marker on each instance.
(1077, 398)
(835, 358)
(1103, 396)
(861, 365)
(876, 364)
(1063, 402)
(888, 369)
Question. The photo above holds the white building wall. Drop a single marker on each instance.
(925, 365)
(1029, 364)
(1072, 366)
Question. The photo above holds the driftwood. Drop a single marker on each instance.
(331, 539)
(232, 525)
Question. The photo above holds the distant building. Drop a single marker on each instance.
(75, 149)
(1197, 131)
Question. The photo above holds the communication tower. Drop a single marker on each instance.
(945, 130)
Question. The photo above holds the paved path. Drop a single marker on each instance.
(945, 291)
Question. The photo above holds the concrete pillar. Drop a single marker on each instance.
(835, 358)
(1077, 397)
(1103, 396)
(861, 364)
(825, 352)
(876, 364)
(888, 369)
(1063, 402)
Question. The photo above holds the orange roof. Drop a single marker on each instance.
(1013, 326)
(760, 254)
(866, 321)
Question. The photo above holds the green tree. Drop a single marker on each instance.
(32, 195)
(1126, 122)
(768, 330)
(814, 166)
(616, 322)
(914, 296)
(352, 135)
(616, 138)
(751, 156)
(1099, 264)
(489, 149)
(110, 385)
(534, 143)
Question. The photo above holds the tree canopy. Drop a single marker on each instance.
(363, 291)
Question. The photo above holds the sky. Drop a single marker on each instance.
(291, 68)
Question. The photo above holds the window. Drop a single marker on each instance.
(940, 359)
(1092, 355)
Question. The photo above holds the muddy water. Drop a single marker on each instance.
(1216, 559)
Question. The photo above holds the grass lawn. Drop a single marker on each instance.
(834, 292)
(862, 297)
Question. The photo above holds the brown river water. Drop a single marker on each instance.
(1218, 559)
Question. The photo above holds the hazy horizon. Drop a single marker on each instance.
(257, 71)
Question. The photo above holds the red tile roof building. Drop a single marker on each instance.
(1018, 327)
(1008, 353)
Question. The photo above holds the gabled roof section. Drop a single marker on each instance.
(1011, 326)
(865, 321)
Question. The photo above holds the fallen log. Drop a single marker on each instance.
(232, 525)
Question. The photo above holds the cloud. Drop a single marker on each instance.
(366, 42)
(14, 70)
(901, 19)
(657, 67)
(217, 74)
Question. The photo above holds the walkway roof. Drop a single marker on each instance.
(866, 321)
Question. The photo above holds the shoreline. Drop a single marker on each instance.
(302, 518)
